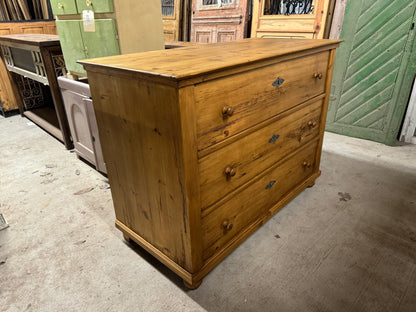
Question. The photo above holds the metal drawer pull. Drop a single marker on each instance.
(88, 3)
(270, 185)
(60, 6)
(312, 124)
(274, 138)
(230, 172)
(227, 111)
(317, 75)
(306, 164)
(278, 82)
(227, 225)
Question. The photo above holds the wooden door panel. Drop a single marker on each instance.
(63, 7)
(281, 18)
(224, 35)
(102, 42)
(71, 43)
(79, 125)
(171, 14)
(374, 70)
(225, 20)
(32, 30)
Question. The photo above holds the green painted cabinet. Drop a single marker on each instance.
(374, 70)
(98, 6)
(78, 44)
(62, 7)
(118, 27)
(65, 7)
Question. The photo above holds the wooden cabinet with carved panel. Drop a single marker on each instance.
(203, 144)
(219, 20)
(7, 97)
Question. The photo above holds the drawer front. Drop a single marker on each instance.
(98, 6)
(227, 220)
(236, 163)
(62, 7)
(230, 105)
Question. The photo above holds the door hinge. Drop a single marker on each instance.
(412, 26)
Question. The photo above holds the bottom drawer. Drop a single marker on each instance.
(226, 220)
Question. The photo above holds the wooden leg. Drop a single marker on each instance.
(194, 285)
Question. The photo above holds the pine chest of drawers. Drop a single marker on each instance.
(203, 144)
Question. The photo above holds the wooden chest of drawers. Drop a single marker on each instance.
(204, 144)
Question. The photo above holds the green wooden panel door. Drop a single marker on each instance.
(98, 6)
(102, 42)
(72, 44)
(80, 45)
(374, 69)
(62, 7)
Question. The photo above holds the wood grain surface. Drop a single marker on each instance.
(181, 190)
(198, 60)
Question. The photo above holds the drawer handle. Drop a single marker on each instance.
(227, 225)
(227, 111)
(312, 124)
(230, 172)
(270, 185)
(317, 75)
(274, 138)
(60, 6)
(306, 164)
(88, 2)
(278, 82)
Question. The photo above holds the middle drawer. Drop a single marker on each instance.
(238, 162)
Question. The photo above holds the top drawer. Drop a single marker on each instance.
(65, 7)
(232, 104)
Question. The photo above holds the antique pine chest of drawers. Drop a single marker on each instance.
(203, 144)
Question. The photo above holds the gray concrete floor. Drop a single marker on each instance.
(347, 244)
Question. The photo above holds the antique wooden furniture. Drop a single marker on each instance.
(82, 123)
(119, 26)
(219, 20)
(290, 19)
(38, 57)
(7, 97)
(204, 144)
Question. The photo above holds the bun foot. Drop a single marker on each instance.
(311, 184)
(127, 238)
(194, 285)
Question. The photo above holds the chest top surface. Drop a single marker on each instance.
(192, 61)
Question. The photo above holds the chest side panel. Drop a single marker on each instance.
(139, 129)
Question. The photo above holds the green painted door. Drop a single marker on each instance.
(80, 45)
(98, 6)
(102, 42)
(374, 70)
(62, 7)
(72, 44)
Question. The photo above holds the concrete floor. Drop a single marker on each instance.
(347, 244)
